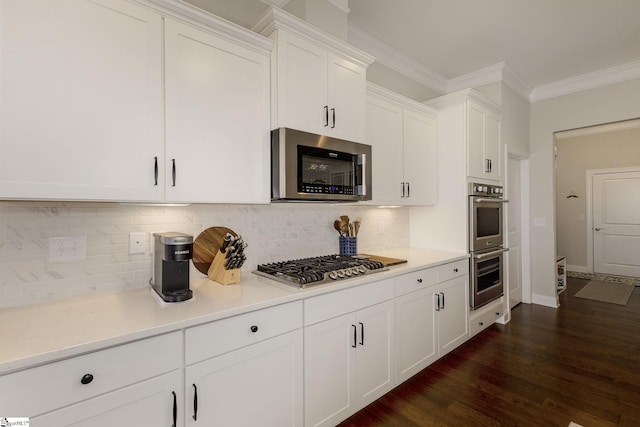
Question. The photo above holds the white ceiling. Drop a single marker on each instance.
(541, 41)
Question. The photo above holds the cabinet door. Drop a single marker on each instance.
(415, 333)
(477, 164)
(259, 385)
(81, 112)
(301, 85)
(492, 146)
(346, 98)
(147, 403)
(453, 319)
(375, 374)
(384, 134)
(420, 159)
(217, 119)
(329, 363)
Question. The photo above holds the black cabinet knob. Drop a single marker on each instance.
(254, 328)
(481, 324)
(455, 270)
(86, 379)
(419, 280)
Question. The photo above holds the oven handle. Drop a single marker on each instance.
(490, 254)
(480, 200)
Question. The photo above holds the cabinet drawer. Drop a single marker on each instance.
(206, 341)
(417, 280)
(453, 270)
(38, 390)
(331, 305)
(486, 317)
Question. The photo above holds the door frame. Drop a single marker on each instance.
(525, 224)
(589, 200)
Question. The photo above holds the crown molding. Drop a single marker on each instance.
(592, 80)
(390, 57)
(277, 3)
(598, 129)
(343, 5)
(500, 72)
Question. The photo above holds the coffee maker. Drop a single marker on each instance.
(171, 254)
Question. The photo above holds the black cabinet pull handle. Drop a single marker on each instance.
(195, 403)
(173, 171)
(155, 170)
(254, 328)
(419, 280)
(408, 190)
(402, 184)
(361, 333)
(438, 302)
(86, 379)
(175, 409)
(355, 336)
(333, 113)
(441, 293)
(326, 115)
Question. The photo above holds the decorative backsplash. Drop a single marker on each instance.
(274, 232)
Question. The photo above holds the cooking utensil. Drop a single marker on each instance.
(356, 226)
(337, 226)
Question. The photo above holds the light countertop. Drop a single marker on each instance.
(45, 332)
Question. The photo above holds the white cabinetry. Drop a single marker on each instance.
(486, 316)
(402, 134)
(318, 82)
(217, 118)
(80, 100)
(483, 142)
(108, 107)
(349, 359)
(246, 370)
(431, 315)
(137, 381)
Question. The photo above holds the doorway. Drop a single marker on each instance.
(517, 190)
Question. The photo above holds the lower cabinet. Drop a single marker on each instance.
(349, 360)
(431, 316)
(154, 402)
(259, 385)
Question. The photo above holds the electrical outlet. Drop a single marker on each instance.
(136, 243)
(382, 227)
(67, 249)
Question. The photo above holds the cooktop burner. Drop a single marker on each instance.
(316, 270)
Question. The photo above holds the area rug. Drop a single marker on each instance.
(604, 277)
(614, 293)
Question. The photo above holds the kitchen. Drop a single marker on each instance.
(276, 231)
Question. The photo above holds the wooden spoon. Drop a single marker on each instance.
(337, 226)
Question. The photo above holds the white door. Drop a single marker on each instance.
(514, 220)
(217, 119)
(453, 319)
(374, 358)
(420, 159)
(258, 385)
(148, 403)
(345, 95)
(616, 223)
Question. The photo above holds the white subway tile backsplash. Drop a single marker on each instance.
(274, 232)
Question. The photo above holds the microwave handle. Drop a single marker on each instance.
(361, 169)
(490, 254)
(480, 200)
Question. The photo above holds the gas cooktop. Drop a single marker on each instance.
(318, 270)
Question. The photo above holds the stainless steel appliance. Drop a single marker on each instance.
(171, 254)
(318, 270)
(312, 167)
(486, 240)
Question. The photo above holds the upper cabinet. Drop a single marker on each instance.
(402, 134)
(127, 101)
(318, 81)
(81, 100)
(469, 115)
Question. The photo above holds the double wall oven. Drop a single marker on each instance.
(486, 231)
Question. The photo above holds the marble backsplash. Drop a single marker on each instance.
(274, 232)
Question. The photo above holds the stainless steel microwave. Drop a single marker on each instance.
(311, 167)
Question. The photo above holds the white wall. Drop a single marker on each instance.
(273, 232)
(606, 104)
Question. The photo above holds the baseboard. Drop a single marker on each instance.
(545, 300)
(578, 268)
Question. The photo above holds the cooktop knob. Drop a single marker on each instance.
(333, 275)
(362, 269)
(340, 274)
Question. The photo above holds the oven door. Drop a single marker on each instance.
(485, 223)
(487, 270)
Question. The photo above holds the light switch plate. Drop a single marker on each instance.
(136, 243)
(67, 249)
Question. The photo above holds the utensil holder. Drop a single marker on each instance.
(348, 246)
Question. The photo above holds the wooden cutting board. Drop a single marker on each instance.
(206, 245)
(386, 261)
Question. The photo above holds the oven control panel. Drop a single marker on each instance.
(485, 190)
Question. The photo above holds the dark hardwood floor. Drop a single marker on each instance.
(546, 367)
